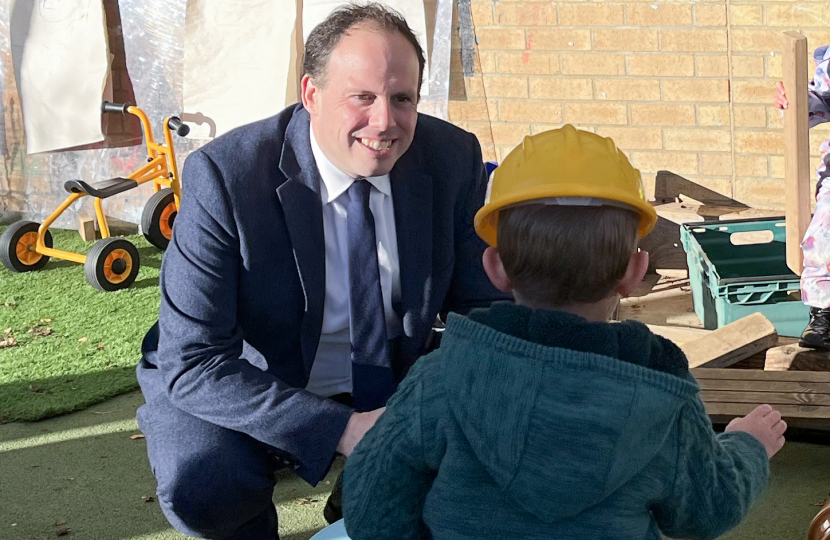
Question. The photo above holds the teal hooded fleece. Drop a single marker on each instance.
(537, 424)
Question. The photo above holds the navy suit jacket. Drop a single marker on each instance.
(243, 279)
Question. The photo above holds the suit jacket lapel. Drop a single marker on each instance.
(300, 200)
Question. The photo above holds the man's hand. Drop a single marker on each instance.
(781, 96)
(358, 425)
(764, 424)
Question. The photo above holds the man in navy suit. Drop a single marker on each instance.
(263, 344)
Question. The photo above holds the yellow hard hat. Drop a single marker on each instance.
(563, 163)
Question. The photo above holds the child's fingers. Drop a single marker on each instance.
(779, 428)
(772, 417)
(779, 444)
(760, 411)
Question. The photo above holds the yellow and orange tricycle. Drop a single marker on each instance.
(111, 263)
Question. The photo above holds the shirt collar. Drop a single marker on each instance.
(335, 181)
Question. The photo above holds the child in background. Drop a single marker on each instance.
(540, 419)
(815, 278)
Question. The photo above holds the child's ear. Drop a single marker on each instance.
(634, 274)
(495, 270)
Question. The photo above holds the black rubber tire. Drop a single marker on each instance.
(8, 246)
(151, 218)
(96, 259)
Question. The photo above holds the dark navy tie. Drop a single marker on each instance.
(372, 377)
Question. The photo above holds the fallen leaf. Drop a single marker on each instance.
(83, 340)
(59, 523)
(101, 346)
(10, 341)
(137, 436)
(62, 532)
(46, 320)
(40, 331)
(148, 499)
(8, 330)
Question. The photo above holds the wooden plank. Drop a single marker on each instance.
(764, 386)
(759, 375)
(678, 334)
(732, 343)
(793, 358)
(772, 398)
(86, 227)
(787, 411)
(796, 147)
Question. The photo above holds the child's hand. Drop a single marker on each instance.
(781, 96)
(764, 424)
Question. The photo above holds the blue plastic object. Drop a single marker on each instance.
(489, 167)
(335, 531)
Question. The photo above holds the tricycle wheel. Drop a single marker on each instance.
(17, 247)
(112, 264)
(158, 217)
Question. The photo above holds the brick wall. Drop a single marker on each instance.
(684, 87)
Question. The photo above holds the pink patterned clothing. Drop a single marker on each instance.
(815, 279)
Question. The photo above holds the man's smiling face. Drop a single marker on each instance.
(364, 112)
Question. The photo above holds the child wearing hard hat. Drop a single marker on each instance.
(540, 419)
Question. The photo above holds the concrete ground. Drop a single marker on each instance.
(84, 472)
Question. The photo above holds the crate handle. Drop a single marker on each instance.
(749, 298)
(746, 238)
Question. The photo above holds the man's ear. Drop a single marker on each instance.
(495, 270)
(309, 93)
(634, 274)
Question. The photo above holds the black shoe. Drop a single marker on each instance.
(334, 510)
(817, 333)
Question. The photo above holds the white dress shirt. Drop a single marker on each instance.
(332, 370)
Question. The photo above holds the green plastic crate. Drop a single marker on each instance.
(731, 281)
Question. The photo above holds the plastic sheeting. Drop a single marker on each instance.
(31, 187)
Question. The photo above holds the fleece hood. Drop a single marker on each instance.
(539, 394)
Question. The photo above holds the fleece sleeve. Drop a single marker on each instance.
(386, 479)
(717, 478)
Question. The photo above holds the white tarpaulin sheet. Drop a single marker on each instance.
(61, 63)
(237, 59)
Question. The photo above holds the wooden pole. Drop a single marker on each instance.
(796, 147)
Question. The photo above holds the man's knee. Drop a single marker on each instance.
(204, 500)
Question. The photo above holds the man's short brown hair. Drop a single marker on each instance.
(562, 255)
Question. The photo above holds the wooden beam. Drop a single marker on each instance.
(792, 358)
(732, 343)
(787, 411)
(679, 334)
(771, 398)
(764, 386)
(759, 375)
(796, 147)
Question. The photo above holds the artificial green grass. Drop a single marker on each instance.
(75, 345)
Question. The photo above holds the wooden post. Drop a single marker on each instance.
(796, 147)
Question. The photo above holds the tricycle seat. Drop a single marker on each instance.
(102, 189)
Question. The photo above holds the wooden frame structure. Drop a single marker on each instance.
(796, 147)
